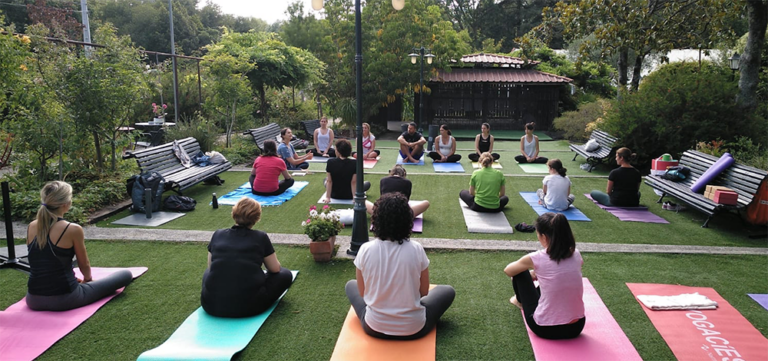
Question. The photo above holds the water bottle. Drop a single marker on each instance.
(215, 202)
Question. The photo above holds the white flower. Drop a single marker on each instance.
(323, 216)
(313, 213)
(303, 223)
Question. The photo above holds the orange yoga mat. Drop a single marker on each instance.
(721, 334)
(354, 345)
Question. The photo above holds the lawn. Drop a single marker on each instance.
(481, 324)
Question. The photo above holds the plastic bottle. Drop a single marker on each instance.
(215, 202)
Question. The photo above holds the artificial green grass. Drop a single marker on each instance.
(480, 325)
(445, 220)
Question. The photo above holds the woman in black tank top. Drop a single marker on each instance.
(484, 143)
(52, 284)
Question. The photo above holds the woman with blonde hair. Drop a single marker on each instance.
(486, 188)
(369, 144)
(234, 285)
(52, 283)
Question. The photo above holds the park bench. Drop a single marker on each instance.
(602, 154)
(163, 160)
(272, 131)
(309, 127)
(743, 179)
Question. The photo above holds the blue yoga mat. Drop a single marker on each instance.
(572, 213)
(204, 337)
(400, 161)
(244, 190)
(448, 167)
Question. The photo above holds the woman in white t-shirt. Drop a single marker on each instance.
(555, 309)
(391, 294)
(369, 144)
(555, 193)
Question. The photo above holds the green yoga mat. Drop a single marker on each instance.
(204, 337)
(534, 167)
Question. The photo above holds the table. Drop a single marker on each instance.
(152, 126)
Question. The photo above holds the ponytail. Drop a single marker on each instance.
(557, 165)
(562, 244)
(53, 196)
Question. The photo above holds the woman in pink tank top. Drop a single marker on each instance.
(555, 309)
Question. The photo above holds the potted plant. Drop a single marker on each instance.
(322, 228)
(159, 112)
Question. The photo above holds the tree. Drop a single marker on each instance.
(275, 64)
(749, 67)
(229, 85)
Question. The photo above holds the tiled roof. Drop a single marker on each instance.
(499, 75)
(495, 59)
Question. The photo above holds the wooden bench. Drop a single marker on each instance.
(606, 150)
(743, 179)
(163, 160)
(309, 127)
(272, 131)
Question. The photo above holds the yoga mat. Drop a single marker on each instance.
(244, 190)
(571, 214)
(494, 165)
(318, 159)
(370, 163)
(448, 167)
(534, 168)
(761, 299)
(630, 214)
(26, 334)
(353, 345)
(485, 222)
(335, 201)
(601, 339)
(703, 334)
(418, 224)
(204, 337)
(400, 161)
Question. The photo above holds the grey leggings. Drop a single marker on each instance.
(436, 302)
(84, 294)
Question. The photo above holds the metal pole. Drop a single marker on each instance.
(360, 222)
(11, 261)
(86, 27)
(175, 75)
(421, 88)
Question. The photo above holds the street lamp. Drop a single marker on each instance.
(733, 63)
(360, 222)
(421, 53)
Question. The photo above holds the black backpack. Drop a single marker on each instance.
(179, 203)
(677, 173)
(152, 180)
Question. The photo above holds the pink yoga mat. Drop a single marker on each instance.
(630, 214)
(721, 334)
(602, 338)
(369, 163)
(26, 334)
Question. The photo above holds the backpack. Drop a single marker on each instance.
(179, 203)
(757, 210)
(677, 173)
(152, 180)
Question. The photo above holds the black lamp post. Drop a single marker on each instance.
(733, 62)
(360, 222)
(421, 53)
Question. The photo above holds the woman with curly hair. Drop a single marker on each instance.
(402, 310)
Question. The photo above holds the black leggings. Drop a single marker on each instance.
(476, 157)
(470, 201)
(251, 304)
(521, 159)
(331, 152)
(453, 158)
(84, 294)
(528, 295)
(436, 302)
(281, 187)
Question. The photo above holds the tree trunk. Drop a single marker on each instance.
(99, 160)
(231, 124)
(622, 69)
(749, 66)
(114, 151)
(263, 98)
(636, 73)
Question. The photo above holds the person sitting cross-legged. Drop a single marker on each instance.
(341, 179)
(445, 147)
(396, 182)
(486, 188)
(266, 171)
(411, 144)
(286, 151)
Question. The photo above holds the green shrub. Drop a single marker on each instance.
(677, 106)
(242, 152)
(204, 130)
(747, 152)
(573, 124)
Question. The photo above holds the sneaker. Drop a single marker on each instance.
(672, 207)
(524, 227)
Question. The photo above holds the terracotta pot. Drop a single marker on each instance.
(322, 250)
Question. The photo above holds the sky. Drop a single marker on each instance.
(267, 10)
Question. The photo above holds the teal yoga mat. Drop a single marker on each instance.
(204, 337)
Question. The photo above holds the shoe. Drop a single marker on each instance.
(672, 207)
(524, 227)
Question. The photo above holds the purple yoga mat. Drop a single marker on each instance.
(418, 224)
(630, 214)
(762, 299)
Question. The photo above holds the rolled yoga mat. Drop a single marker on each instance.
(25, 334)
(478, 222)
(718, 334)
(601, 339)
(204, 337)
(244, 190)
(571, 214)
(725, 161)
